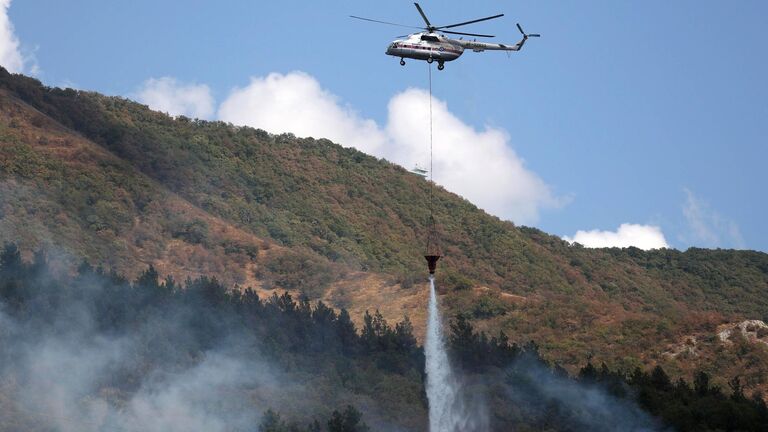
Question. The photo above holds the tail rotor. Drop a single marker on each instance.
(525, 36)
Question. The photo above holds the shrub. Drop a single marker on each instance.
(488, 307)
(304, 271)
(456, 282)
(194, 231)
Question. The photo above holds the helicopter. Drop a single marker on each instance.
(432, 45)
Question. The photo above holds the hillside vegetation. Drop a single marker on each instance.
(96, 352)
(109, 180)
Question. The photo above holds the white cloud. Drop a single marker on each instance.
(478, 164)
(11, 56)
(708, 228)
(168, 95)
(296, 103)
(640, 236)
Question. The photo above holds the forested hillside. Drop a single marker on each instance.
(93, 351)
(108, 180)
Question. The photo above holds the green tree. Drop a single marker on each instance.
(404, 338)
(660, 380)
(271, 422)
(346, 332)
(701, 383)
(348, 421)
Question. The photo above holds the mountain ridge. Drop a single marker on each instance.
(122, 186)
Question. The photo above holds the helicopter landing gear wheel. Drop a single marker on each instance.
(402, 62)
(430, 60)
(440, 66)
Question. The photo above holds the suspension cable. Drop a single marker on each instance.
(431, 174)
(433, 248)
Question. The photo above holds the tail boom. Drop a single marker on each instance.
(484, 46)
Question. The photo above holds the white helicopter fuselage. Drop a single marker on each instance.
(425, 46)
(437, 47)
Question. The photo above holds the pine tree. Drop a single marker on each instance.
(348, 421)
(271, 422)
(404, 338)
(346, 332)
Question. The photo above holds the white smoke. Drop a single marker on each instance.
(58, 380)
(70, 370)
(588, 407)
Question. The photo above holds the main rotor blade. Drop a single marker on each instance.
(429, 26)
(467, 34)
(470, 22)
(384, 22)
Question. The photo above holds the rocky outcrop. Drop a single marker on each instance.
(752, 330)
(688, 346)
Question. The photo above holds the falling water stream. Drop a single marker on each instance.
(446, 410)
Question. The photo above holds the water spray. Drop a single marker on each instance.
(447, 410)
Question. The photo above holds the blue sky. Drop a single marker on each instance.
(647, 113)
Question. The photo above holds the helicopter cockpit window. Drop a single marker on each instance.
(394, 45)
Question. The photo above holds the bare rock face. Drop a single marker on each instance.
(752, 330)
(688, 346)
